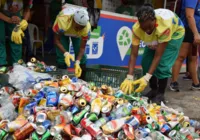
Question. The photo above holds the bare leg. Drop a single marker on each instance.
(183, 53)
(193, 67)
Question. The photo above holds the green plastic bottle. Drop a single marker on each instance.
(77, 118)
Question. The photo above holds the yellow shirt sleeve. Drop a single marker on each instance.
(136, 33)
(62, 24)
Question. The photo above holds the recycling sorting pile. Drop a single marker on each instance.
(34, 64)
(65, 108)
(37, 66)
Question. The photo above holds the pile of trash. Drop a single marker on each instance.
(48, 108)
(33, 64)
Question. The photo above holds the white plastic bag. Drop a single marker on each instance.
(23, 78)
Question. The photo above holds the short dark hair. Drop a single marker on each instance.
(146, 12)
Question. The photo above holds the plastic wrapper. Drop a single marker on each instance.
(23, 78)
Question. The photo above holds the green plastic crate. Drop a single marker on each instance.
(109, 75)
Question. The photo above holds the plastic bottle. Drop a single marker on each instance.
(123, 111)
(114, 125)
(96, 106)
(101, 121)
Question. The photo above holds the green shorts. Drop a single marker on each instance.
(168, 59)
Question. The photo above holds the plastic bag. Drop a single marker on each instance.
(23, 78)
(7, 111)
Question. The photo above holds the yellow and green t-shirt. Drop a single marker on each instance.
(168, 26)
(64, 25)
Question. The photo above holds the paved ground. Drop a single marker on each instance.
(186, 100)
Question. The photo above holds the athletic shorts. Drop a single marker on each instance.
(189, 38)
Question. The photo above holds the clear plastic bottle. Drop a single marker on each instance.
(100, 122)
(122, 111)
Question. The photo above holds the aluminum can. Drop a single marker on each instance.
(91, 127)
(28, 109)
(165, 129)
(16, 124)
(134, 121)
(3, 133)
(52, 99)
(41, 117)
(24, 131)
(74, 109)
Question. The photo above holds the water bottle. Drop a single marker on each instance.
(123, 111)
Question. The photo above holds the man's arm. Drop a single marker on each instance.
(58, 43)
(28, 4)
(27, 14)
(5, 18)
(132, 60)
(158, 54)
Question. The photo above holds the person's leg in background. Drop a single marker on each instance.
(183, 53)
(187, 74)
(15, 49)
(187, 50)
(2, 44)
(193, 67)
(60, 59)
(76, 45)
(198, 63)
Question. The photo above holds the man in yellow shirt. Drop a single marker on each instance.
(11, 15)
(72, 23)
(162, 31)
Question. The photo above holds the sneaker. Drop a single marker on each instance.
(158, 99)
(195, 87)
(187, 77)
(174, 86)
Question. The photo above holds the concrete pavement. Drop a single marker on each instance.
(187, 100)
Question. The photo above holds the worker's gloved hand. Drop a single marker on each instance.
(142, 82)
(127, 86)
(78, 69)
(23, 24)
(17, 36)
(68, 57)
